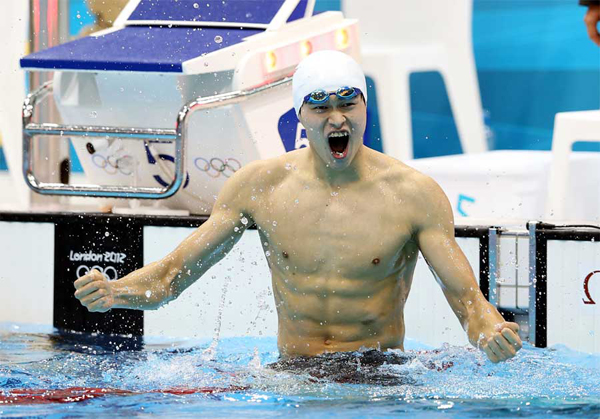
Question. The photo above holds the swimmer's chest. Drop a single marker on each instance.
(348, 233)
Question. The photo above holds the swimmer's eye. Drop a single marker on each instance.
(348, 105)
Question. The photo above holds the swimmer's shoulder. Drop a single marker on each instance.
(405, 179)
(264, 172)
(396, 171)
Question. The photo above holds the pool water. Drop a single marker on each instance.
(231, 380)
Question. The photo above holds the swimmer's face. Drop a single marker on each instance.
(335, 129)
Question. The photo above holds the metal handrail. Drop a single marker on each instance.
(179, 135)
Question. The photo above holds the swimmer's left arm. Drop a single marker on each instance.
(484, 325)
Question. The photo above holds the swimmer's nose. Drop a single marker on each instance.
(336, 119)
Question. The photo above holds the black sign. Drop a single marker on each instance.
(113, 248)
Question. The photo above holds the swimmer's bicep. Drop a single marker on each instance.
(210, 242)
(434, 225)
(234, 201)
(436, 241)
(433, 211)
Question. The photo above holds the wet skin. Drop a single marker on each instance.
(342, 239)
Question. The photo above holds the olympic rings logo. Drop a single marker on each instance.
(217, 167)
(109, 272)
(112, 164)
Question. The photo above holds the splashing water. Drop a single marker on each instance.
(210, 353)
(456, 380)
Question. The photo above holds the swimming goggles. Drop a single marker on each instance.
(321, 96)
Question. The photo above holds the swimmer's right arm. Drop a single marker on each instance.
(162, 281)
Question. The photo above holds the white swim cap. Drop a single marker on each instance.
(327, 70)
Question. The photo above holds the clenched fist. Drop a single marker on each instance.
(504, 342)
(94, 292)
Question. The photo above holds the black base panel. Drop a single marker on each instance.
(87, 243)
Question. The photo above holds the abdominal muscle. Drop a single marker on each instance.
(319, 315)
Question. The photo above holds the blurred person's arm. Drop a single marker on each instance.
(105, 13)
(591, 19)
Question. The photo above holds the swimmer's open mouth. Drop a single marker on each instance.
(338, 143)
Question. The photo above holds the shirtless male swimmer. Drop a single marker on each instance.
(350, 223)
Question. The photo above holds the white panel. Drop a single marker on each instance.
(507, 296)
(249, 306)
(513, 268)
(507, 275)
(27, 273)
(523, 276)
(570, 320)
(427, 315)
(507, 261)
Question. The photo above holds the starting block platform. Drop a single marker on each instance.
(179, 95)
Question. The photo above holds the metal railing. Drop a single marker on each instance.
(178, 136)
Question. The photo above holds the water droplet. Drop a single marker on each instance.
(148, 293)
(274, 223)
(334, 193)
(267, 253)
(248, 15)
(236, 229)
(218, 39)
(196, 6)
(244, 221)
(288, 166)
(93, 114)
(205, 64)
(107, 234)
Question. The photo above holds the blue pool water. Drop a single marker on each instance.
(538, 383)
